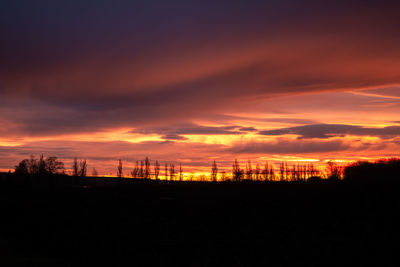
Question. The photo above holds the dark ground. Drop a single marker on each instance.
(201, 224)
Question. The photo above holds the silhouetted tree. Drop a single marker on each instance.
(237, 173)
(265, 172)
(271, 174)
(141, 170)
(257, 172)
(147, 168)
(75, 168)
(33, 165)
(286, 171)
(282, 171)
(82, 168)
(304, 172)
(311, 170)
(298, 172)
(334, 171)
(214, 171)
(48, 166)
(249, 171)
(171, 171)
(293, 173)
(166, 172)
(156, 169)
(180, 172)
(135, 171)
(119, 169)
(54, 166)
(23, 167)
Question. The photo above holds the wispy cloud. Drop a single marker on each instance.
(324, 131)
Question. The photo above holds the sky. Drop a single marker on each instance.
(195, 81)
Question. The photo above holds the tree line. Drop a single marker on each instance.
(41, 166)
(387, 170)
(286, 172)
(42, 171)
(144, 169)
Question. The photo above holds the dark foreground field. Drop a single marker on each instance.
(200, 224)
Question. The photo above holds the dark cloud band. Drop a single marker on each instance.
(335, 130)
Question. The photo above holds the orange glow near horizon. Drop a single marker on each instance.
(197, 151)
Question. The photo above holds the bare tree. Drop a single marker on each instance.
(156, 169)
(286, 171)
(310, 170)
(53, 166)
(166, 172)
(171, 171)
(135, 171)
(334, 171)
(257, 172)
(304, 171)
(75, 168)
(141, 170)
(249, 171)
(82, 168)
(237, 173)
(298, 173)
(119, 169)
(282, 171)
(214, 171)
(147, 168)
(265, 172)
(180, 172)
(271, 173)
(293, 173)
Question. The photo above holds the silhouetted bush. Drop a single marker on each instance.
(379, 171)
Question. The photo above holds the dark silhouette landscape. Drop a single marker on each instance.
(54, 219)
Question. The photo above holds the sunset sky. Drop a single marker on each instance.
(194, 81)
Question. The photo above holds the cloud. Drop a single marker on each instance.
(143, 63)
(173, 136)
(286, 146)
(104, 155)
(334, 130)
(247, 129)
(176, 132)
